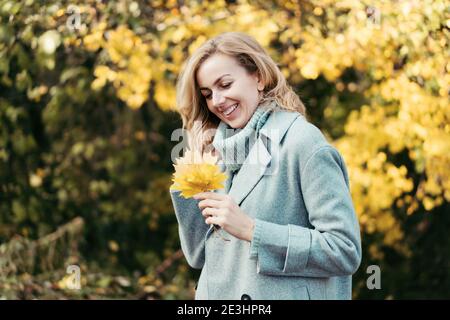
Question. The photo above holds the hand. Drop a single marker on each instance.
(222, 210)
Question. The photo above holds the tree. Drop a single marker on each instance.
(87, 108)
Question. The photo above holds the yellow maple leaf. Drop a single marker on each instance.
(195, 173)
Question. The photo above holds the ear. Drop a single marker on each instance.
(260, 84)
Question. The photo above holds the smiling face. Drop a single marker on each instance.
(231, 93)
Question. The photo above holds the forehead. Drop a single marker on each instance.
(216, 66)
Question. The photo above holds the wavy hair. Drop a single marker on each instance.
(191, 104)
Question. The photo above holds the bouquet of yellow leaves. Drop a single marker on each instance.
(196, 172)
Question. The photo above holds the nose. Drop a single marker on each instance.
(218, 99)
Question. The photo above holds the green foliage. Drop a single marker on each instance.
(67, 151)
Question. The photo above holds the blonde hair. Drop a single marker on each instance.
(196, 117)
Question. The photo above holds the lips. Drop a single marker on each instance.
(230, 109)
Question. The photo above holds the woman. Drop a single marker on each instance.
(288, 229)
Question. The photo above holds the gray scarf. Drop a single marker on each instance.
(234, 145)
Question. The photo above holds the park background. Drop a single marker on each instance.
(87, 98)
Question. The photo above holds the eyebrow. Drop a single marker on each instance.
(218, 79)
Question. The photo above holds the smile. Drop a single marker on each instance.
(228, 111)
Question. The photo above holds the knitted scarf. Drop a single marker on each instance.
(234, 145)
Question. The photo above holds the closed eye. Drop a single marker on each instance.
(224, 86)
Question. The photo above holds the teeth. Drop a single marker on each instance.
(230, 110)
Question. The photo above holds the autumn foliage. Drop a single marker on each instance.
(87, 111)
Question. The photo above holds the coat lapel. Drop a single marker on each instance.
(251, 171)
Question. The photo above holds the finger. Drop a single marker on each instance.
(208, 212)
(209, 203)
(214, 220)
(209, 195)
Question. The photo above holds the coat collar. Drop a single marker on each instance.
(260, 157)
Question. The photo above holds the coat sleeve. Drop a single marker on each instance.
(332, 247)
(191, 228)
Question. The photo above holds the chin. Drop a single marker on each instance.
(237, 124)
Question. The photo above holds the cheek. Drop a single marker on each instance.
(251, 97)
(249, 88)
(244, 92)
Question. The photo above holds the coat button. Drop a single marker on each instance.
(245, 297)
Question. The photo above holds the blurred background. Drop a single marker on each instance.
(87, 100)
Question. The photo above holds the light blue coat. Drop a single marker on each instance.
(306, 242)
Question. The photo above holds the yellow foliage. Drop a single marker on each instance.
(407, 106)
(400, 54)
(165, 95)
(94, 40)
(131, 70)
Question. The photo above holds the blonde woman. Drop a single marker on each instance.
(288, 228)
